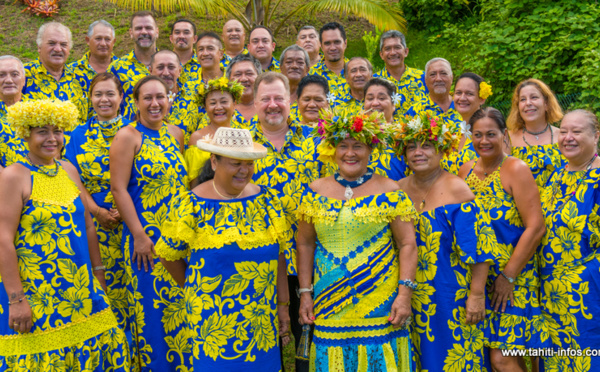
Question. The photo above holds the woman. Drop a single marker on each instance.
(223, 242)
(147, 168)
(533, 137)
(470, 93)
(505, 190)
(54, 312)
(312, 98)
(88, 152)
(218, 97)
(449, 302)
(348, 225)
(568, 256)
(379, 95)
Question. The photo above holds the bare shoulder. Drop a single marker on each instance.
(14, 173)
(69, 168)
(458, 188)
(128, 132)
(464, 169)
(403, 183)
(175, 131)
(385, 184)
(321, 184)
(202, 189)
(514, 166)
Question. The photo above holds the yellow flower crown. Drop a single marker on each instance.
(485, 90)
(23, 116)
(421, 128)
(224, 85)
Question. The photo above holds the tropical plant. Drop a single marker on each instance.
(261, 12)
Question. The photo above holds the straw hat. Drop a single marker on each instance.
(233, 143)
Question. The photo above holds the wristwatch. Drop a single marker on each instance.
(510, 280)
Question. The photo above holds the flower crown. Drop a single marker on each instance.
(224, 85)
(335, 126)
(421, 128)
(485, 90)
(22, 116)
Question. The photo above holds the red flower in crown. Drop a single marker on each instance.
(358, 124)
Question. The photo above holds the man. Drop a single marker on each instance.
(184, 110)
(234, 38)
(358, 72)
(294, 66)
(288, 168)
(333, 43)
(438, 78)
(12, 80)
(410, 82)
(262, 46)
(183, 38)
(48, 76)
(100, 39)
(210, 53)
(244, 69)
(134, 66)
(308, 38)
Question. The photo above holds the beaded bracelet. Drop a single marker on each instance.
(17, 301)
(98, 268)
(408, 283)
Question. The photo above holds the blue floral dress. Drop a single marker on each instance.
(88, 152)
(522, 325)
(543, 160)
(449, 242)
(356, 281)
(570, 268)
(452, 162)
(232, 248)
(73, 326)
(12, 148)
(156, 307)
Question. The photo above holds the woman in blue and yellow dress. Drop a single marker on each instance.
(506, 193)
(54, 314)
(570, 252)
(470, 93)
(452, 270)
(223, 243)
(357, 238)
(218, 97)
(147, 169)
(533, 138)
(88, 152)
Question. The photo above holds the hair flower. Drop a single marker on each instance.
(485, 90)
(22, 116)
(421, 128)
(222, 84)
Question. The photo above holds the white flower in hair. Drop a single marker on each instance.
(330, 98)
(171, 97)
(415, 124)
(465, 129)
(396, 99)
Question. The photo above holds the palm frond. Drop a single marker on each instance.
(169, 6)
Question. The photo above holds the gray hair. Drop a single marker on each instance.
(589, 117)
(392, 34)
(438, 59)
(243, 58)
(308, 27)
(295, 48)
(52, 25)
(21, 67)
(369, 65)
(102, 22)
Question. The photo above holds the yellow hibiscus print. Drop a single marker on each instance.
(39, 226)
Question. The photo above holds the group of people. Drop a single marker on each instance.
(193, 208)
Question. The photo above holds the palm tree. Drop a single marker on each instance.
(260, 12)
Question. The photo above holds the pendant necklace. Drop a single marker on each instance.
(352, 184)
(537, 134)
(422, 205)
(226, 197)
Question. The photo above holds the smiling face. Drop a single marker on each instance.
(438, 78)
(466, 98)
(312, 100)
(358, 74)
(422, 157)
(106, 99)
(245, 73)
(294, 66)
(393, 52)
(333, 45)
(352, 158)
(577, 139)
(378, 99)
(210, 52)
(261, 45)
(102, 41)
(219, 108)
(144, 32)
(232, 175)
(532, 105)
(167, 67)
(234, 35)
(54, 49)
(12, 79)
(309, 40)
(45, 143)
(153, 103)
(487, 138)
(183, 37)
(272, 104)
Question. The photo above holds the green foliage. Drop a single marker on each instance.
(372, 45)
(431, 15)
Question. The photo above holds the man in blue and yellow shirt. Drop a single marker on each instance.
(261, 46)
(331, 67)
(234, 39)
(210, 51)
(183, 38)
(134, 66)
(308, 39)
(358, 72)
(12, 81)
(409, 82)
(49, 76)
(294, 63)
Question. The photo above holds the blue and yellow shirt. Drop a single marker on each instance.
(41, 85)
(12, 148)
(226, 59)
(129, 71)
(185, 111)
(191, 72)
(84, 72)
(337, 83)
(450, 117)
(411, 87)
(346, 101)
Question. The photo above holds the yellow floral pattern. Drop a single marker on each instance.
(129, 71)
(411, 87)
(542, 160)
(337, 83)
(12, 148)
